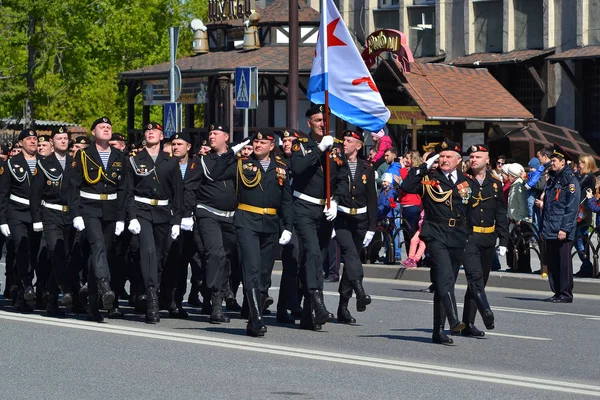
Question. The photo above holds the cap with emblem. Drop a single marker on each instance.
(205, 142)
(218, 127)
(82, 140)
(448, 145)
(117, 137)
(58, 130)
(264, 134)
(43, 139)
(477, 148)
(317, 109)
(289, 132)
(153, 125)
(356, 135)
(27, 133)
(140, 144)
(182, 136)
(559, 152)
(101, 120)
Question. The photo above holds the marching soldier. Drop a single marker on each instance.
(50, 189)
(97, 204)
(15, 218)
(446, 193)
(154, 210)
(44, 146)
(213, 202)
(486, 217)
(264, 195)
(355, 225)
(311, 215)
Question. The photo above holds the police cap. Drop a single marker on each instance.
(559, 152)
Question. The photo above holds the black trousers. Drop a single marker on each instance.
(257, 250)
(78, 259)
(445, 263)
(100, 238)
(119, 262)
(220, 251)
(477, 263)
(59, 239)
(181, 254)
(25, 244)
(288, 288)
(560, 267)
(315, 235)
(153, 246)
(350, 234)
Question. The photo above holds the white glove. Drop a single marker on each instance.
(368, 237)
(78, 223)
(119, 228)
(431, 161)
(134, 227)
(174, 232)
(501, 251)
(333, 233)
(5, 230)
(236, 149)
(187, 224)
(588, 193)
(38, 226)
(285, 238)
(326, 143)
(331, 212)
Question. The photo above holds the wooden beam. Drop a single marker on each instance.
(537, 78)
(576, 83)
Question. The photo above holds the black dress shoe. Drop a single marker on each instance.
(310, 326)
(115, 313)
(471, 330)
(441, 338)
(562, 299)
(29, 296)
(284, 318)
(550, 299)
(67, 300)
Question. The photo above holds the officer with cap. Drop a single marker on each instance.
(213, 202)
(118, 141)
(50, 189)
(355, 224)
(264, 196)
(311, 213)
(559, 221)
(154, 209)
(97, 204)
(15, 218)
(44, 147)
(445, 193)
(486, 219)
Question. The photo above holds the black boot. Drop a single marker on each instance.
(245, 312)
(343, 315)
(115, 311)
(141, 304)
(179, 311)
(267, 302)
(439, 318)
(152, 312)
(105, 293)
(362, 299)
(469, 313)
(319, 313)
(193, 298)
(29, 296)
(67, 300)
(94, 314)
(256, 326)
(217, 316)
(451, 313)
(52, 309)
(20, 304)
(232, 305)
(484, 309)
(306, 320)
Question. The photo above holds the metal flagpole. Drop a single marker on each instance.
(326, 110)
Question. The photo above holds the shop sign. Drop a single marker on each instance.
(225, 10)
(405, 115)
(387, 40)
(193, 91)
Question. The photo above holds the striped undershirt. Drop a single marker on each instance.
(265, 164)
(62, 161)
(32, 164)
(104, 155)
(183, 168)
(352, 166)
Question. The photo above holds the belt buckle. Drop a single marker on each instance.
(322, 202)
(103, 196)
(452, 222)
(265, 211)
(153, 202)
(65, 208)
(353, 211)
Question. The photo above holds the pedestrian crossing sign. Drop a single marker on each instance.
(246, 87)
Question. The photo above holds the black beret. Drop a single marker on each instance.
(559, 152)
(317, 109)
(82, 140)
(205, 142)
(291, 133)
(43, 138)
(153, 125)
(58, 130)
(101, 120)
(477, 147)
(264, 134)
(356, 135)
(117, 136)
(4, 149)
(182, 136)
(218, 127)
(27, 133)
(141, 143)
(448, 145)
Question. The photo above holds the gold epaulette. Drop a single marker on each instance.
(277, 159)
(336, 140)
(302, 139)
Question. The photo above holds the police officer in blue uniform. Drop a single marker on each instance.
(559, 221)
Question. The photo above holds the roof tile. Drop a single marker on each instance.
(579, 52)
(512, 57)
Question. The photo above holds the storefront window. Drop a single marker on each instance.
(488, 26)
(529, 24)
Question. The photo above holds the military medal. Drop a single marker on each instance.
(464, 190)
(364, 179)
(48, 182)
(114, 175)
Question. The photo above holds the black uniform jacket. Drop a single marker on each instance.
(487, 209)
(160, 180)
(361, 193)
(201, 188)
(308, 170)
(561, 203)
(445, 205)
(16, 180)
(271, 191)
(52, 185)
(111, 180)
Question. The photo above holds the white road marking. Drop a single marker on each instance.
(516, 336)
(373, 362)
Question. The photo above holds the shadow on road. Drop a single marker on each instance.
(525, 298)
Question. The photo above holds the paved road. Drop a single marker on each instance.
(538, 351)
